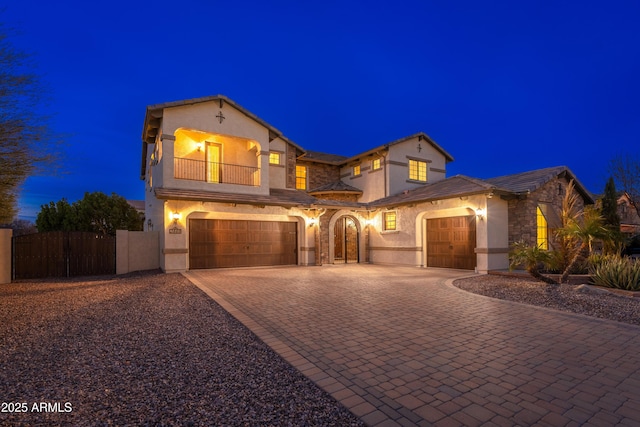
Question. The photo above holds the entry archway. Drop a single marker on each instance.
(346, 239)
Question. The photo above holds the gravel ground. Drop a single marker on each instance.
(145, 349)
(591, 301)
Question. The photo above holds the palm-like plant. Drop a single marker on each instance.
(531, 257)
(582, 230)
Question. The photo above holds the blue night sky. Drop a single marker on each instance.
(503, 86)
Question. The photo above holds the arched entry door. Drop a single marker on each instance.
(345, 235)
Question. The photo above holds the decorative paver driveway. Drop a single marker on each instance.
(402, 346)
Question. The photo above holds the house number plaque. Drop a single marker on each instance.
(175, 230)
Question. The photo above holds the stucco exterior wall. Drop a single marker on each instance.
(407, 245)
(398, 159)
(278, 173)
(137, 251)
(372, 182)
(175, 245)
(244, 142)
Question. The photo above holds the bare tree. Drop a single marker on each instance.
(26, 142)
(625, 169)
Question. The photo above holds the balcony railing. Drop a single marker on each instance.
(219, 173)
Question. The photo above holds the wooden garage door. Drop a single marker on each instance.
(215, 243)
(451, 242)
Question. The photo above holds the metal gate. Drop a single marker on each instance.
(63, 254)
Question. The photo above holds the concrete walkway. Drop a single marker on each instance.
(402, 346)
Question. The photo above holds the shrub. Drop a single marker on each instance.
(617, 272)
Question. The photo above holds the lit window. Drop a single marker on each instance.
(542, 229)
(301, 177)
(389, 221)
(356, 170)
(274, 158)
(417, 170)
(375, 164)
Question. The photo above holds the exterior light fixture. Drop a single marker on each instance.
(176, 217)
(480, 213)
(312, 222)
(199, 146)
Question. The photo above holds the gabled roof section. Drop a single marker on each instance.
(335, 187)
(456, 186)
(337, 160)
(530, 181)
(155, 111)
(421, 137)
(153, 120)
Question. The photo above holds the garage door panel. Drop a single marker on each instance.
(451, 242)
(239, 243)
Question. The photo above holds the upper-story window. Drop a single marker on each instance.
(274, 158)
(376, 164)
(301, 177)
(417, 170)
(356, 170)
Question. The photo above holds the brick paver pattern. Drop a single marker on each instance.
(402, 346)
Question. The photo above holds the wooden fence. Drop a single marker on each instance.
(63, 254)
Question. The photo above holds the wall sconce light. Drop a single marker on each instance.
(313, 221)
(149, 225)
(176, 217)
(480, 213)
(199, 146)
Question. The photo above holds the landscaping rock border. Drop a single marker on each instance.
(146, 349)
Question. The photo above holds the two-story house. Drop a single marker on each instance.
(226, 189)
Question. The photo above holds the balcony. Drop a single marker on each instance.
(218, 173)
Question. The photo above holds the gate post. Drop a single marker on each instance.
(6, 260)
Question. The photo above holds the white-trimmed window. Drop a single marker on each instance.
(376, 164)
(356, 170)
(417, 170)
(274, 158)
(390, 221)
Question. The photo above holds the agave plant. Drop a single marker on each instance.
(531, 257)
(617, 272)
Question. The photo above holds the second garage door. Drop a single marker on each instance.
(215, 243)
(451, 242)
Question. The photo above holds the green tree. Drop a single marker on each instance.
(611, 219)
(57, 216)
(95, 212)
(26, 142)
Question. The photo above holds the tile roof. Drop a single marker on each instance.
(455, 186)
(316, 156)
(336, 186)
(526, 182)
(277, 197)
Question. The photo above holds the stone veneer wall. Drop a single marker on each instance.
(522, 212)
(319, 174)
(344, 197)
(291, 167)
(324, 234)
